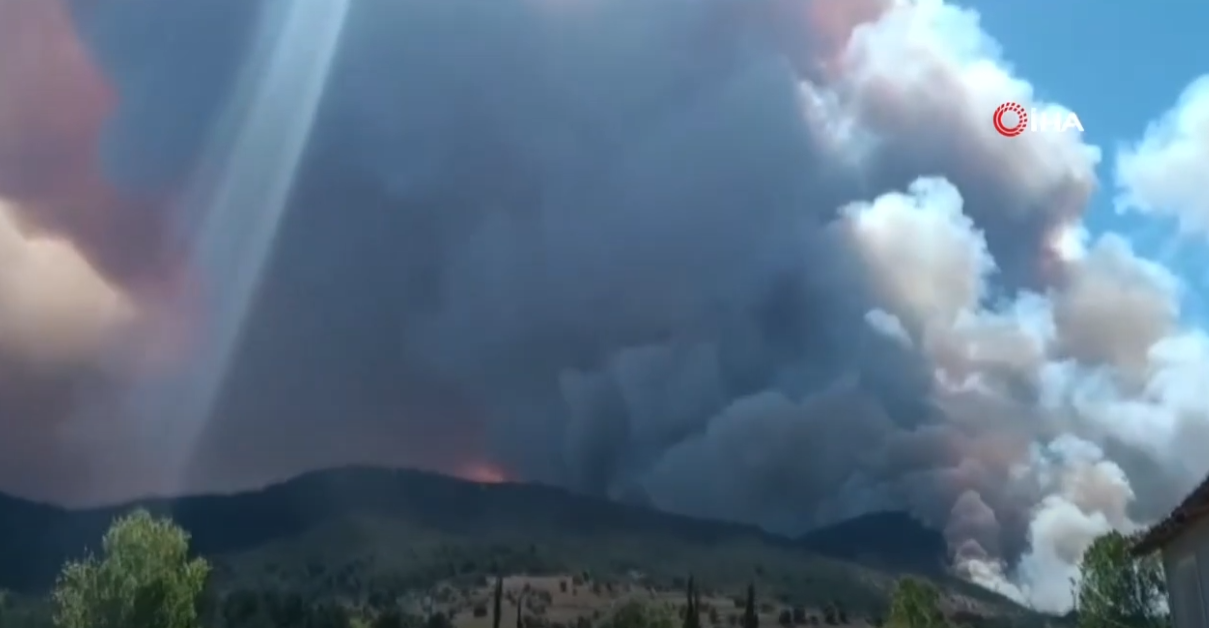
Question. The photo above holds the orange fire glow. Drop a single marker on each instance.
(482, 472)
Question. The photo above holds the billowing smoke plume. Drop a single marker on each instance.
(762, 261)
(79, 258)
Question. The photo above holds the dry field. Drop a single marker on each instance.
(562, 600)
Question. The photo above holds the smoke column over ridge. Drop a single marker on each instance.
(761, 261)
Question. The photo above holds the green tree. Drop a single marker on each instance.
(635, 614)
(1116, 590)
(145, 578)
(915, 603)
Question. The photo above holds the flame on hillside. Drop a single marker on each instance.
(482, 473)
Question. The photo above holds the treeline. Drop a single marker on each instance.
(145, 577)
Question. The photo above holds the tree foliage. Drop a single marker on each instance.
(144, 578)
(750, 618)
(692, 606)
(1118, 591)
(496, 608)
(915, 603)
(635, 614)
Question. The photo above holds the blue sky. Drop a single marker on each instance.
(1120, 66)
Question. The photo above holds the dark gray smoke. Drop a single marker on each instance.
(762, 261)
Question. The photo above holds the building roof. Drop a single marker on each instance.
(1195, 507)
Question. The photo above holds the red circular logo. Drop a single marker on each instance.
(1021, 119)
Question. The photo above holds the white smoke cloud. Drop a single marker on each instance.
(1102, 353)
(926, 79)
(1164, 172)
(924, 254)
(55, 308)
(888, 324)
(1104, 350)
(1102, 360)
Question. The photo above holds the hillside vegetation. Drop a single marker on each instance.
(374, 541)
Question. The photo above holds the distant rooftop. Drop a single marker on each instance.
(1195, 507)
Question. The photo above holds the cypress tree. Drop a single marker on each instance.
(692, 619)
(499, 593)
(697, 607)
(750, 619)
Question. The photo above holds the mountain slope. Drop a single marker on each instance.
(890, 540)
(352, 531)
